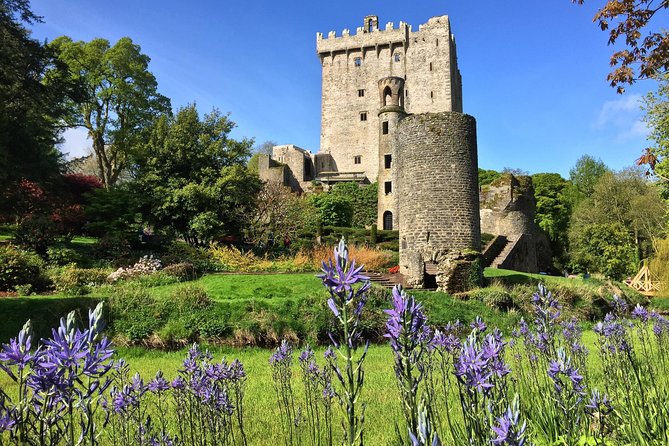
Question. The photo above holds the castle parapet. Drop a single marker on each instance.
(369, 36)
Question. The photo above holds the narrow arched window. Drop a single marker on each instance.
(387, 221)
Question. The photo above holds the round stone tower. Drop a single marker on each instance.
(391, 91)
(440, 235)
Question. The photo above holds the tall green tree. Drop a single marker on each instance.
(656, 106)
(624, 199)
(120, 98)
(193, 176)
(585, 174)
(30, 109)
(364, 199)
(553, 209)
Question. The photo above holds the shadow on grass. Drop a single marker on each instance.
(44, 312)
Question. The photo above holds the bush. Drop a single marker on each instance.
(182, 252)
(134, 314)
(63, 256)
(182, 271)
(495, 297)
(36, 234)
(75, 281)
(144, 266)
(113, 246)
(18, 267)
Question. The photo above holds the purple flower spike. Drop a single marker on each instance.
(508, 429)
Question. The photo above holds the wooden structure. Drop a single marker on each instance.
(644, 283)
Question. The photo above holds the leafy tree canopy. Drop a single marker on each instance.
(487, 176)
(364, 199)
(29, 108)
(120, 97)
(585, 174)
(193, 176)
(553, 209)
(646, 54)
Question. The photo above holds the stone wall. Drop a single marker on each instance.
(353, 63)
(508, 208)
(438, 201)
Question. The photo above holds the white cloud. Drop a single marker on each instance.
(75, 143)
(622, 117)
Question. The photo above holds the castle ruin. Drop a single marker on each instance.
(392, 113)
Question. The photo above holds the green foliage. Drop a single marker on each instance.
(36, 233)
(629, 202)
(656, 106)
(181, 252)
(183, 271)
(29, 107)
(553, 209)
(495, 297)
(193, 178)
(113, 246)
(363, 199)
(488, 176)
(63, 256)
(73, 281)
(606, 248)
(584, 176)
(119, 100)
(18, 267)
(134, 314)
(335, 210)
(112, 211)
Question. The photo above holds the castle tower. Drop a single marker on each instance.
(391, 112)
(440, 232)
(352, 64)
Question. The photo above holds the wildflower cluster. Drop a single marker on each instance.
(144, 266)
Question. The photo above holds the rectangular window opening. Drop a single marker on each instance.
(397, 57)
(357, 61)
(363, 116)
(388, 187)
(430, 66)
(361, 93)
(385, 127)
(387, 160)
(357, 159)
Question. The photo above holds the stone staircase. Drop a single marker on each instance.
(386, 280)
(504, 253)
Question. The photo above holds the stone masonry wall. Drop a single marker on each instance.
(426, 59)
(438, 187)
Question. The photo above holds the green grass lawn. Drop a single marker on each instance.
(517, 277)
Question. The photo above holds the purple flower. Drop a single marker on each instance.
(158, 384)
(640, 313)
(283, 353)
(599, 404)
(478, 324)
(508, 430)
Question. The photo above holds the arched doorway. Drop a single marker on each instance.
(387, 221)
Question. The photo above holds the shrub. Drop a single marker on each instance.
(36, 233)
(232, 259)
(374, 259)
(63, 256)
(18, 267)
(76, 281)
(182, 271)
(144, 266)
(182, 252)
(112, 246)
(158, 278)
(495, 297)
(189, 298)
(133, 313)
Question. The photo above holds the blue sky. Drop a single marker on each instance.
(534, 71)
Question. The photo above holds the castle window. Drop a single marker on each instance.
(437, 42)
(361, 93)
(385, 127)
(406, 93)
(357, 159)
(397, 57)
(388, 187)
(357, 61)
(363, 116)
(430, 66)
(387, 160)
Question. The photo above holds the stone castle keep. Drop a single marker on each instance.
(392, 113)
